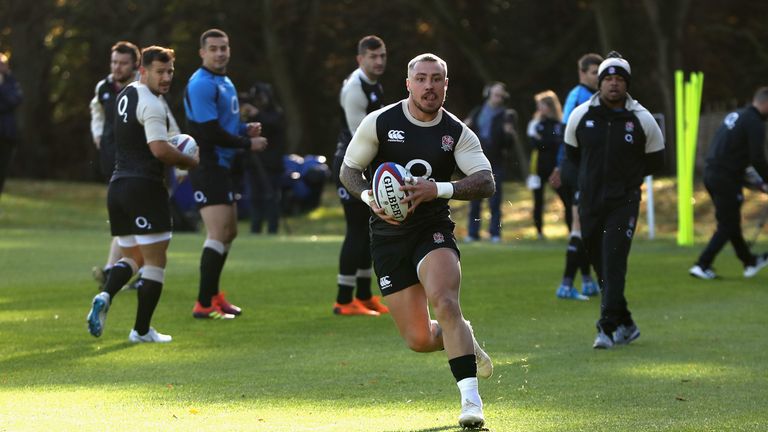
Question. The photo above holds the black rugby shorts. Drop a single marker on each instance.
(138, 206)
(212, 185)
(395, 257)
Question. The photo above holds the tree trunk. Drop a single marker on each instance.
(609, 21)
(664, 75)
(468, 43)
(283, 79)
(32, 64)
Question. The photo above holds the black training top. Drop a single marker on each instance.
(738, 143)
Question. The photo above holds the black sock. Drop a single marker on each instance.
(583, 258)
(211, 263)
(149, 295)
(463, 367)
(346, 288)
(119, 275)
(364, 288)
(572, 258)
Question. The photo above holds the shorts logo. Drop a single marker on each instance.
(343, 194)
(730, 120)
(143, 223)
(396, 136)
(373, 97)
(590, 123)
(384, 282)
(631, 227)
(447, 144)
(200, 197)
(438, 238)
(629, 126)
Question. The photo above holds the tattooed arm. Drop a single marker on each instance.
(352, 179)
(475, 186)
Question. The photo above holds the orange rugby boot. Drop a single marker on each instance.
(353, 308)
(374, 303)
(224, 305)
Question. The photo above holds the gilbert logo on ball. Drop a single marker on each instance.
(387, 180)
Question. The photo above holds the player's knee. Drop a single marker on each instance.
(420, 342)
(231, 234)
(446, 308)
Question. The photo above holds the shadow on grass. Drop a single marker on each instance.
(63, 355)
(443, 428)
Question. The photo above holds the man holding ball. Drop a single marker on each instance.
(417, 260)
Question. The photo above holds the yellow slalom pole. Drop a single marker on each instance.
(680, 144)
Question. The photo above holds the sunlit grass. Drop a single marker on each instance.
(288, 364)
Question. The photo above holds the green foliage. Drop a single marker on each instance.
(60, 50)
(288, 364)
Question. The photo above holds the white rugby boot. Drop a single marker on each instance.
(151, 336)
(484, 362)
(471, 416)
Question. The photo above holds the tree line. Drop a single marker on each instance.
(59, 49)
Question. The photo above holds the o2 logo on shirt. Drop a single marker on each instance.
(419, 168)
(122, 108)
(235, 105)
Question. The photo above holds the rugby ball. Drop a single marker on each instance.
(387, 180)
(184, 143)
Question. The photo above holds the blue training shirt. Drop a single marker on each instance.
(577, 96)
(211, 96)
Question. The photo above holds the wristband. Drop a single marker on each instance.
(444, 189)
(366, 198)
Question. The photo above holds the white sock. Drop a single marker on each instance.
(468, 389)
(576, 233)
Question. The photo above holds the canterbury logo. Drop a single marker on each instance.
(396, 135)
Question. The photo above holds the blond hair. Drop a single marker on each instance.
(549, 98)
(427, 57)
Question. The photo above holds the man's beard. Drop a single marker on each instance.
(428, 110)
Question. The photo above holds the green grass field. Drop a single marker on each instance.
(288, 364)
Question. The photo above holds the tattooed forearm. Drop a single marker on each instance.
(476, 186)
(353, 180)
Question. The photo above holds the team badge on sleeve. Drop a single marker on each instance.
(438, 238)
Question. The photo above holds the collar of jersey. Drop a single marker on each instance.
(212, 72)
(364, 77)
(436, 120)
(629, 105)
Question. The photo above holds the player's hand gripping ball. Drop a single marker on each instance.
(185, 144)
(387, 180)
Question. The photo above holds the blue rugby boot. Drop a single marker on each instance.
(98, 314)
(570, 293)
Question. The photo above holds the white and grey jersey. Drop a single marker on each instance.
(433, 150)
(141, 117)
(359, 97)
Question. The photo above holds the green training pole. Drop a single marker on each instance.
(687, 113)
(697, 81)
(681, 153)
